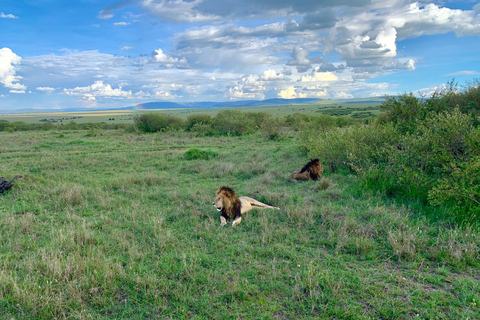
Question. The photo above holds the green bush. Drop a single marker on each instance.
(353, 148)
(155, 122)
(460, 190)
(403, 111)
(198, 119)
(236, 123)
(195, 154)
(427, 150)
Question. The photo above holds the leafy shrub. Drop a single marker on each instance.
(195, 154)
(234, 122)
(203, 130)
(403, 111)
(155, 122)
(460, 190)
(353, 148)
(426, 150)
(198, 119)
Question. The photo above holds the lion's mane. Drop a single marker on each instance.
(232, 205)
(314, 168)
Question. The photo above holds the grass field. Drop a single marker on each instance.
(121, 226)
(355, 108)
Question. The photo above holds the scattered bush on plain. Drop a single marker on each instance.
(195, 154)
(425, 149)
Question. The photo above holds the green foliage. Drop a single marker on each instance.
(195, 154)
(403, 111)
(155, 122)
(199, 119)
(236, 123)
(460, 190)
(424, 150)
(354, 148)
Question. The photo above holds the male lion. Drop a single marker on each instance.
(233, 207)
(312, 170)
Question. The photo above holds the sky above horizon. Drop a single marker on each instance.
(58, 54)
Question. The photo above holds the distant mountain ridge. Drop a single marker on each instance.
(226, 104)
(194, 105)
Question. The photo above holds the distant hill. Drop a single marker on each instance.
(197, 105)
(226, 104)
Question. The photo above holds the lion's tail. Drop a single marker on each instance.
(258, 204)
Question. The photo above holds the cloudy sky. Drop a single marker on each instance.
(101, 54)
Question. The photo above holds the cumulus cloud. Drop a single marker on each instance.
(126, 48)
(7, 16)
(8, 60)
(250, 86)
(270, 75)
(291, 93)
(46, 89)
(319, 76)
(98, 89)
(121, 23)
(168, 61)
(165, 95)
(300, 59)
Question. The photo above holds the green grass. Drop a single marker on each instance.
(121, 226)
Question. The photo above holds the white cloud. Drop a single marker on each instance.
(462, 73)
(121, 23)
(176, 10)
(8, 60)
(46, 89)
(271, 75)
(98, 89)
(165, 95)
(126, 48)
(291, 93)
(7, 16)
(319, 76)
(105, 14)
(168, 61)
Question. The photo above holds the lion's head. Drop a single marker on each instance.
(227, 202)
(314, 168)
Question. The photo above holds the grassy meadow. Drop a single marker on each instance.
(116, 225)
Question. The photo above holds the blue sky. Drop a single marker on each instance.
(104, 54)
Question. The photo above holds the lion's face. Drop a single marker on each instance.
(218, 203)
(227, 202)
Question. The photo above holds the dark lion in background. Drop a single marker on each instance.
(232, 207)
(311, 171)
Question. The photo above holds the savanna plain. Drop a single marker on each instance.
(117, 224)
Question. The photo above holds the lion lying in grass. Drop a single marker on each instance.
(311, 171)
(233, 207)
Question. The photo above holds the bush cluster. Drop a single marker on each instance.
(7, 126)
(426, 149)
(195, 154)
(237, 123)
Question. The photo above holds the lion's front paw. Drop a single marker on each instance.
(223, 221)
(236, 221)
